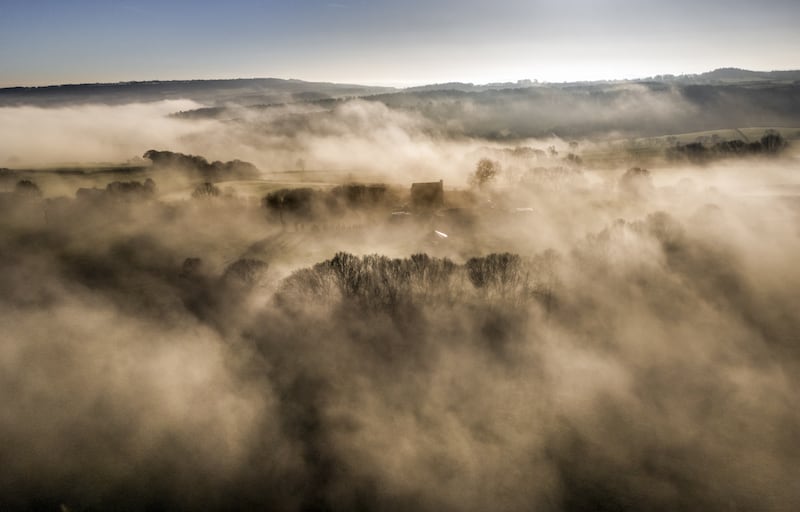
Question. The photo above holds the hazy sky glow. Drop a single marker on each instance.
(389, 42)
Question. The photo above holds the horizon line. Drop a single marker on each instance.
(392, 84)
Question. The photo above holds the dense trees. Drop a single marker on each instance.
(381, 283)
(297, 204)
(119, 191)
(206, 190)
(132, 188)
(200, 167)
(772, 143)
(305, 204)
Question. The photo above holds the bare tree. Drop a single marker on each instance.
(485, 172)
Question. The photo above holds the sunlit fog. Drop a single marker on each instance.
(510, 295)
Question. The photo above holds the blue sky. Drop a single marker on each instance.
(389, 42)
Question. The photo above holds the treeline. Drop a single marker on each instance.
(770, 144)
(304, 204)
(379, 283)
(202, 168)
(119, 190)
(290, 205)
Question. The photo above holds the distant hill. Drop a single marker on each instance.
(723, 98)
(469, 87)
(729, 76)
(270, 91)
(245, 91)
(733, 74)
(716, 77)
(744, 75)
(646, 108)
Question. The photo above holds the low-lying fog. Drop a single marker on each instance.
(356, 136)
(561, 333)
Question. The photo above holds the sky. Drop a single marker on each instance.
(384, 42)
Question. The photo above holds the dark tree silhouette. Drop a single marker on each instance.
(206, 190)
(773, 142)
(131, 190)
(485, 172)
(27, 188)
(214, 171)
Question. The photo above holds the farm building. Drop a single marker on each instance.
(427, 195)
